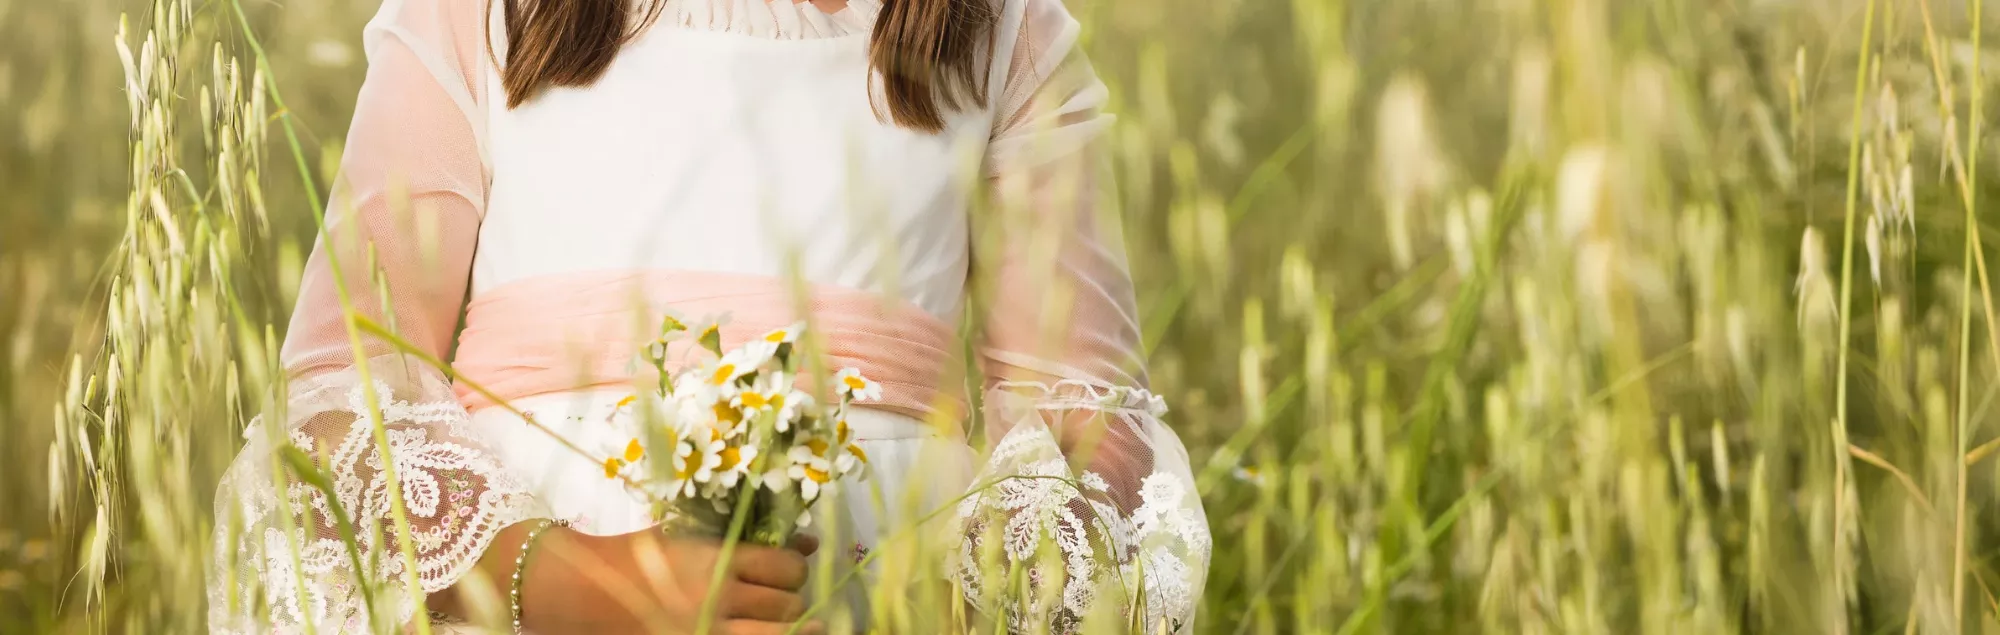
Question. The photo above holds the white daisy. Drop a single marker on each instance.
(765, 393)
(719, 415)
(773, 393)
(625, 407)
(695, 386)
(690, 380)
(753, 355)
(614, 466)
(671, 328)
(671, 322)
(785, 335)
(692, 411)
(625, 457)
(721, 376)
(643, 411)
(709, 449)
(709, 335)
(854, 386)
(810, 469)
(854, 456)
(734, 465)
(688, 461)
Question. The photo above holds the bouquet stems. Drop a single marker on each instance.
(771, 534)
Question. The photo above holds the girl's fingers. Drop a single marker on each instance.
(805, 544)
(777, 568)
(761, 603)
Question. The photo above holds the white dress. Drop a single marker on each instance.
(730, 140)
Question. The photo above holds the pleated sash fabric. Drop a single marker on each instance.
(581, 331)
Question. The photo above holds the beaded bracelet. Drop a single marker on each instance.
(520, 564)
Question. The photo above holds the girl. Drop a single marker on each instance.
(527, 183)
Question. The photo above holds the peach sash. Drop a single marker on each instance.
(580, 331)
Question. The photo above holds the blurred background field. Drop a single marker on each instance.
(1476, 315)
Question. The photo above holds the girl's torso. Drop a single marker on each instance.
(725, 145)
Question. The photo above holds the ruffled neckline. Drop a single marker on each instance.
(773, 19)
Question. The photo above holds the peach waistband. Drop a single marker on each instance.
(581, 331)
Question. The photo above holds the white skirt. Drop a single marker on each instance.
(914, 473)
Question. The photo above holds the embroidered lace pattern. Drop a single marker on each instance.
(303, 574)
(1089, 543)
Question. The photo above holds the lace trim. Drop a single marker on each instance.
(1072, 394)
(456, 495)
(1161, 549)
(776, 19)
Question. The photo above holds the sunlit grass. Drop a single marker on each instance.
(1480, 316)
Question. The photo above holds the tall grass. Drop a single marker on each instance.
(1484, 315)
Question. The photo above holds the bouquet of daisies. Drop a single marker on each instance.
(732, 434)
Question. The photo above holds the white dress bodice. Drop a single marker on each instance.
(766, 158)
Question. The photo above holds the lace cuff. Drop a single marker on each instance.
(1091, 515)
(271, 577)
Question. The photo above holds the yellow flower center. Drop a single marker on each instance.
(854, 382)
(858, 454)
(689, 466)
(727, 414)
(778, 401)
(730, 457)
(818, 476)
(611, 466)
(776, 337)
(627, 401)
(753, 399)
(633, 451)
(723, 373)
(842, 431)
(818, 446)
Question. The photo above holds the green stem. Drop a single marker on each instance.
(738, 518)
(1965, 328)
(1430, 406)
(1840, 458)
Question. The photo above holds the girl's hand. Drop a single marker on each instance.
(759, 594)
(648, 582)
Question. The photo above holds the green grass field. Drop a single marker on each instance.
(1535, 316)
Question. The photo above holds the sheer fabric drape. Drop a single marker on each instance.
(1092, 501)
(400, 231)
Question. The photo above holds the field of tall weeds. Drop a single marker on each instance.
(1531, 316)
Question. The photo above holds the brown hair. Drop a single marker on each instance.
(928, 53)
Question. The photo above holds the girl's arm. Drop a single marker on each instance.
(401, 224)
(1066, 386)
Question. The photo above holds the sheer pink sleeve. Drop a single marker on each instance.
(1095, 500)
(400, 229)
